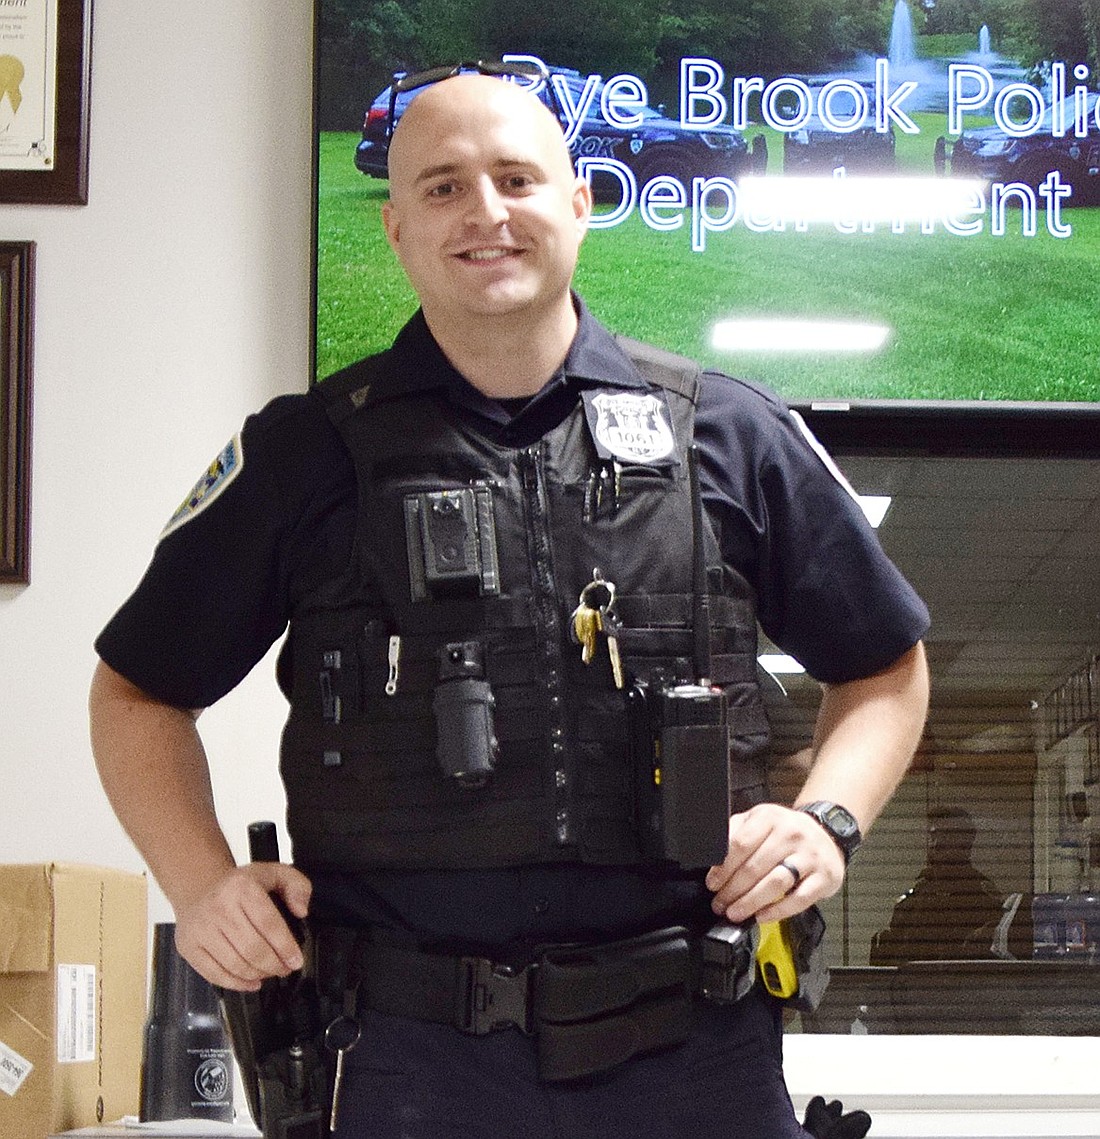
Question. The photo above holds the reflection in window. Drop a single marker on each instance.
(953, 910)
(975, 903)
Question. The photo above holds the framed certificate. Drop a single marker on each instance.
(45, 71)
(16, 327)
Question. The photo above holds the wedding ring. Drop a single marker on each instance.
(794, 872)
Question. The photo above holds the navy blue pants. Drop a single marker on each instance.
(409, 1079)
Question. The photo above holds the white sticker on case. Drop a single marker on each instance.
(14, 1069)
(76, 1013)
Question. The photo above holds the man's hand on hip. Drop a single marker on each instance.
(780, 861)
(234, 935)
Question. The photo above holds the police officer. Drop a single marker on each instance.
(433, 517)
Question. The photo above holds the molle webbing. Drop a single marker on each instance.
(364, 785)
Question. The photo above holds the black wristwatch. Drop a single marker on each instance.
(840, 825)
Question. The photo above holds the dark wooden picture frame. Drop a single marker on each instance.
(67, 182)
(16, 332)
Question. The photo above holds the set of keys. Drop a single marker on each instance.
(594, 615)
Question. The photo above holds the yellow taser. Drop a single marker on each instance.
(775, 960)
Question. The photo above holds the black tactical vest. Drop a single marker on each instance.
(451, 631)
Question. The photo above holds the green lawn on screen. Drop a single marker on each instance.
(981, 317)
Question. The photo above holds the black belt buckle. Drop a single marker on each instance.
(490, 996)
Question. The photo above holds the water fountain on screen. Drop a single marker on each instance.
(906, 66)
(930, 75)
(1003, 70)
(902, 51)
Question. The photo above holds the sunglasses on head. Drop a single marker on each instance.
(518, 69)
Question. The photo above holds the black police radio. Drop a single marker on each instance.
(680, 746)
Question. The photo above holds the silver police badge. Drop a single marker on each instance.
(633, 428)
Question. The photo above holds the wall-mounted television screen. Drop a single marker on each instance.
(887, 208)
(863, 205)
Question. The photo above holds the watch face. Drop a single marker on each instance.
(840, 823)
(839, 820)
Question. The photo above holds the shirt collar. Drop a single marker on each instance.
(594, 358)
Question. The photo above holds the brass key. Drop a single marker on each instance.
(584, 629)
(341, 1037)
(595, 614)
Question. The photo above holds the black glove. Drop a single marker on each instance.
(828, 1121)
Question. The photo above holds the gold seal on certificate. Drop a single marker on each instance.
(28, 84)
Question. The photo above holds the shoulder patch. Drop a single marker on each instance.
(221, 472)
(822, 454)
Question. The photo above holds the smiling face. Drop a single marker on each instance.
(485, 213)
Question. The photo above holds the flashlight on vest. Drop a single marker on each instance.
(466, 743)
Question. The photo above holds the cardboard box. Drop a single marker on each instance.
(72, 996)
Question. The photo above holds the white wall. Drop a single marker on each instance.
(172, 304)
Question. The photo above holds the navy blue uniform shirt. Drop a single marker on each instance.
(223, 584)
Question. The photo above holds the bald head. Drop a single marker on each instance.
(473, 104)
(486, 215)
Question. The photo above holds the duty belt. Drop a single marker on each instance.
(589, 1007)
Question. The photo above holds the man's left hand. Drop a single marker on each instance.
(780, 861)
